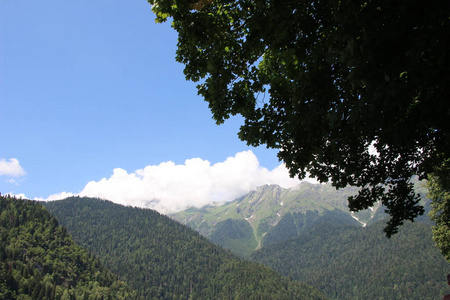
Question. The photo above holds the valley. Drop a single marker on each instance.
(273, 243)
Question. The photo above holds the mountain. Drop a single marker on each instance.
(39, 260)
(308, 234)
(347, 262)
(163, 259)
(272, 214)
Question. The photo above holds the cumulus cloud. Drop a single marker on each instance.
(57, 196)
(170, 188)
(11, 168)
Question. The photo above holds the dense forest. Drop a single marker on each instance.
(247, 223)
(294, 224)
(39, 260)
(347, 262)
(236, 235)
(307, 232)
(163, 259)
(272, 214)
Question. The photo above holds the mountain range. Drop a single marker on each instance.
(162, 259)
(298, 243)
(307, 233)
(271, 214)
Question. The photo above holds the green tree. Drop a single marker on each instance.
(39, 260)
(439, 191)
(349, 262)
(324, 81)
(163, 259)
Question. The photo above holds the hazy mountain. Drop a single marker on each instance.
(272, 214)
(308, 234)
(163, 259)
(258, 218)
(39, 260)
(347, 262)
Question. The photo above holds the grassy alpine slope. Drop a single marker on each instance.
(264, 209)
(272, 214)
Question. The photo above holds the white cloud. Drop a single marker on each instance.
(57, 196)
(169, 188)
(19, 196)
(11, 168)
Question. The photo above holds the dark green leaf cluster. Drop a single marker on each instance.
(39, 260)
(360, 263)
(439, 188)
(163, 259)
(323, 81)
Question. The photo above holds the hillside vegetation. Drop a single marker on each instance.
(39, 260)
(163, 259)
(308, 234)
(272, 214)
(250, 222)
(347, 262)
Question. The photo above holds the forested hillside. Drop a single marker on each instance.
(163, 259)
(294, 224)
(361, 263)
(261, 217)
(273, 214)
(39, 260)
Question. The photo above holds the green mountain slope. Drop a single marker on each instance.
(163, 259)
(268, 207)
(361, 263)
(234, 234)
(294, 224)
(39, 260)
(276, 214)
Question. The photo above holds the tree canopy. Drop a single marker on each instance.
(39, 259)
(163, 259)
(349, 262)
(352, 92)
(439, 187)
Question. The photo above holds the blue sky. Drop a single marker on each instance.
(91, 91)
